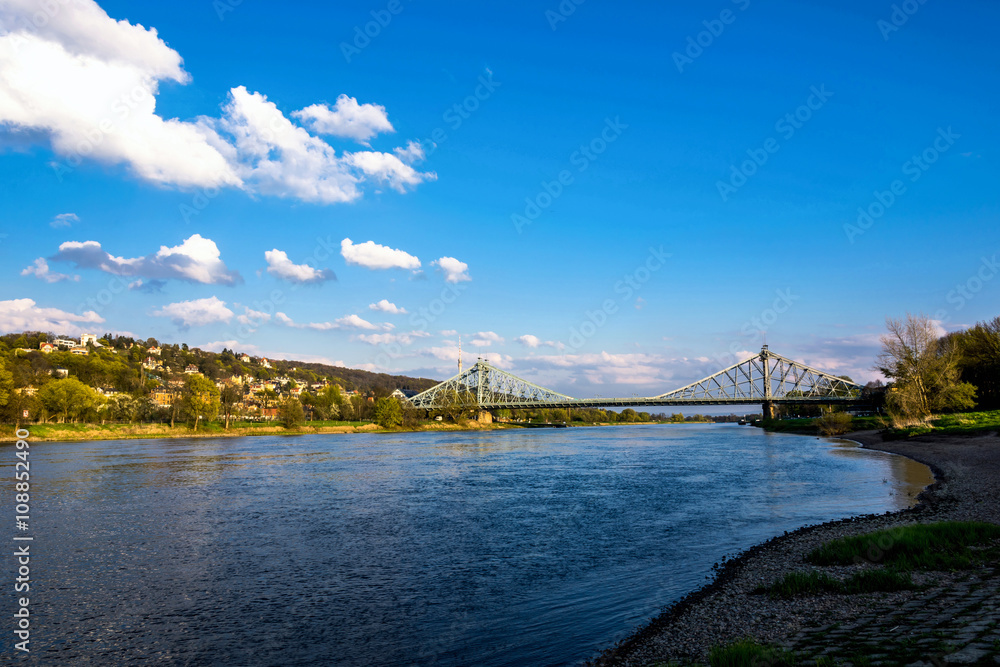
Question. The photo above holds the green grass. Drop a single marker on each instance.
(796, 584)
(748, 653)
(946, 545)
(961, 423)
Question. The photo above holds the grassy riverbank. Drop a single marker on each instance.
(963, 423)
(88, 432)
(916, 587)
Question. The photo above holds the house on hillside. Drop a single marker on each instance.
(245, 358)
(47, 348)
(60, 373)
(80, 351)
(162, 398)
(191, 369)
(403, 394)
(65, 342)
(264, 362)
(154, 350)
(89, 338)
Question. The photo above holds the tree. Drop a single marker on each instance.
(290, 412)
(69, 398)
(924, 370)
(388, 412)
(980, 361)
(229, 400)
(6, 383)
(201, 399)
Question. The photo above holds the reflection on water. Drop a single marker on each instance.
(532, 547)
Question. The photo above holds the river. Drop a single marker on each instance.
(501, 548)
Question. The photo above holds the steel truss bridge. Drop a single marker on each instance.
(765, 379)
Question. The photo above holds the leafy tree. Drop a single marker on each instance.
(229, 401)
(200, 399)
(924, 370)
(69, 398)
(980, 361)
(6, 383)
(388, 412)
(290, 412)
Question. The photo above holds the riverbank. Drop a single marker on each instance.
(91, 432)
(952, 618)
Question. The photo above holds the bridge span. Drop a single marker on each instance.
(765, 379)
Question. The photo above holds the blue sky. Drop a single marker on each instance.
(618, 199)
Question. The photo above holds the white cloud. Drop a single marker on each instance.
(88, 84)
(387, 338)
(448, 332)
(198, 312)
(25, 315)
(486, 338)
(346, 322)
(237, 346)
(64, 220)
(253, 318)
(280, 266)
(40, 269)
(649, 370)
(385, 306)
(374, 256)
(533, 342)
(196, 260)
(346, 119)
(454, 270)
(389, 169)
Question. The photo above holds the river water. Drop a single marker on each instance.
(503, 548)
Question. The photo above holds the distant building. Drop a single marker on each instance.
(403, 393)
(245, 358)
(46, 348)
(65, 342)
(162, 398)
(89, 338)
(154, 350)
(81, 351)
(264, 362)
(60, 372)
(190, 369)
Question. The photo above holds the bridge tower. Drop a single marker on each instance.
(768, 405)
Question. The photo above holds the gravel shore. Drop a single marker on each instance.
(967, 469)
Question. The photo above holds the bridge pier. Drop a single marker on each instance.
(768, 407)
(485, 417)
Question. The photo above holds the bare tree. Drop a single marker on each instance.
(924, 369)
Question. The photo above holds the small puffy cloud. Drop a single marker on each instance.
(346, 322)
(280, 266)
(385, 306)
(198, 312)
(448, 332)
(64, 220)
(450, 353)
(486, 338)
(40, 269)
(26, 315)
(236, 346)
(347, 119)
(389, 169)
(151, 286)
(533, 342)
(374, 256)
(386, 338)
(454, 270)
(253, 318)
(196, 260)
